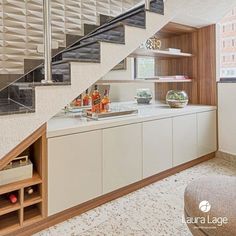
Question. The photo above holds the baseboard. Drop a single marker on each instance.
(227, 156)
(77, 210)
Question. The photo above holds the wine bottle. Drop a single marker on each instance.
(12, 198)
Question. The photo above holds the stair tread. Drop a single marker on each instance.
(38, 84)
(92, 42)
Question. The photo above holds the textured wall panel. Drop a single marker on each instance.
(73, 24)
(58, 21)
(88, 10)
(14, 34)
(103, 7)
(127, 4)
(34, 27)
(115, 7)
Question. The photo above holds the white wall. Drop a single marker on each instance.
(120, 92)
(227, 117)
(127, 74)
(127, 91)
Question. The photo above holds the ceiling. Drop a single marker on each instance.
(199, 13)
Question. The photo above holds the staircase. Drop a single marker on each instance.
(75, 69)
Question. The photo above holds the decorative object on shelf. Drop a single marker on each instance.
(144, 96)
(167, 78)
(174, 77)
(121, 66)
(174, 50)
(177, 98)
(153, 43)
(19, 169)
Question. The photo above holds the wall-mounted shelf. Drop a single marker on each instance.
(29, 208)
(144, 81)
(141, 52)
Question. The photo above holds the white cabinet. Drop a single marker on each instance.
(184, 139)
(206, 129)
(157, 146)
(122, 156)
(74, 170)
(86, 165)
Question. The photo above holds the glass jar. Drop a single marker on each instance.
(144, 96)
(177, 98)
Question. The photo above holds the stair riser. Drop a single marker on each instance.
(60, 73)
(157, 6)
(23, 102)
(88, 53)
(137, 20)
(115, 35)
(23, 95)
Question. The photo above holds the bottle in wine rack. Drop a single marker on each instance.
(12, 198)
(29, 190)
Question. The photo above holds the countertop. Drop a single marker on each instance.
(71, 123)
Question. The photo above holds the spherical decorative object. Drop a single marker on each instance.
(177, 99)
(144, 96)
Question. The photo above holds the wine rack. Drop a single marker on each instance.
(29, 208)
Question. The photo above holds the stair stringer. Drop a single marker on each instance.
(50, 99)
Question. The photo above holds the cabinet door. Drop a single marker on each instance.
(184, 139)
(157, 146)
(122, 156)
(74, 170)
(206, 123)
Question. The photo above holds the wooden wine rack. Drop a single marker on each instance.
(32, 208)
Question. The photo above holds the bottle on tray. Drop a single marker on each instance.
(78, 101)
(86, 99)
(96, 100)
(105, 102)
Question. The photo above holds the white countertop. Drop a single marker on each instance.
(70, 123)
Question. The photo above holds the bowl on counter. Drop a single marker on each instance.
(177, 98)
(144, 96)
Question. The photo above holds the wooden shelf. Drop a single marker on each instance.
(32, 214)
(30, 208)
(144, 81)
(9, 222)
(32, 199)
(6, 206)
(21, 184)
(141, 52)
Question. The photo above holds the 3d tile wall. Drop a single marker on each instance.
(21, 25)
